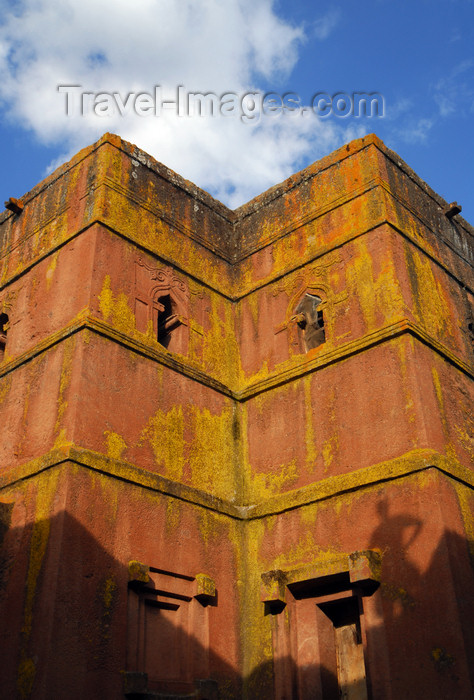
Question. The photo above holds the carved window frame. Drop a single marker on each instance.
(295, 333)
(153, 285)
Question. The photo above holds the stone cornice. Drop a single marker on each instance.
(412, 463)
(226, 251)
(305, 364)
(236, 292)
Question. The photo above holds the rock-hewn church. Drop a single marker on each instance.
(236, 455)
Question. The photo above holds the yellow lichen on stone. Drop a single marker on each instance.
(206, 526)
(61, 441)
(397, 594)
(116, 445)
(283, 254)
(450, 448)
(437, 387)
(212, 454)
(51, 268)
(26, 677)
(431, 307)
(387, 292)
(26, 403)
(66, 370)
(116, 308)
(442, 660)
(407, 344)
(38, 544)
(327, 451)
(213, 527)
(359, 280)
(258, 376)
(165, 433)
(311, 451)
(308, 514)
(138, 572)
(266, 485)
(379, 295)
(331, 444)
(173, 514)
(466, 506)
(108, 592)
(221, 355)
(466, 437)
(254, 306)
(305, 551)
(5, 386)
(255, 628)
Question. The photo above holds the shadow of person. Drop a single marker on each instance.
(422, 619)
(395, 536)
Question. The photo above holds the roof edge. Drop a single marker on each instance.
(234, 216)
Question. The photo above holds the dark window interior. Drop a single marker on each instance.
(167, 319)
(3, 334)
(311, 321)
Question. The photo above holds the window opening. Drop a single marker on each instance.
(470, 328)
(3, 334)
(168, 319)
(310, 319)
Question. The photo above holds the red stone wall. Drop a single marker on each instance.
(194, 503)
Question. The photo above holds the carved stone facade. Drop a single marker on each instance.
(236, 456)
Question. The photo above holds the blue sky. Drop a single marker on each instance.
(418, 55)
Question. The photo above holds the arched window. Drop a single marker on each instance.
(3, 334)
(310, 319)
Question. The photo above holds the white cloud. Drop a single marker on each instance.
(209, 45)
(324, 25)
(414, 131)
(454, 94)
(399, 108)
(454, 97)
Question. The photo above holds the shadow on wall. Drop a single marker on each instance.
(77, 624)
(426, 631)
(412, 638)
